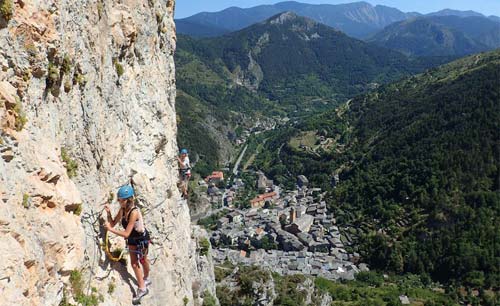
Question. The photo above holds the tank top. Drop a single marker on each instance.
(186, 167)
(138, 230)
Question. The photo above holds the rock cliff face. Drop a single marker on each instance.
(87, 94)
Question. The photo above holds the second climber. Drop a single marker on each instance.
(184, 171)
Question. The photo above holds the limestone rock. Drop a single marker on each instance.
(7, 95)
(7, 154)
(102, 128)
(204, 268)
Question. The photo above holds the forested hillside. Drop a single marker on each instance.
(427, 150)
(285, 66)
(418, 163)
(296, 61)
(210, 107)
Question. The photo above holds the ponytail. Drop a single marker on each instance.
(130, 201)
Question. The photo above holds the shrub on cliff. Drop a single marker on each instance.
(70, 164)
(204, 246)
(6, 9)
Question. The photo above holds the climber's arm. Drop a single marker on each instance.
(134, 215)
(112, 221)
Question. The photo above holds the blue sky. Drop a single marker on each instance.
(185, 8)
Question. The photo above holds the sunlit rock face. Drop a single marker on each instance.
(87, 104)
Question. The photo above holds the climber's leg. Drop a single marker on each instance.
(134, 260)
(145, 263)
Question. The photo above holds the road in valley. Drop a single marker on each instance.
(235, 169)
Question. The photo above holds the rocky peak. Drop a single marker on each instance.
(292, 21)
(282, 18)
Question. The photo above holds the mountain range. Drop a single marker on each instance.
(292, 58)
(435, 35)
(359, 19)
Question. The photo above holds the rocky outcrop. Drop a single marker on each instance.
(204, 282)
(87, 94)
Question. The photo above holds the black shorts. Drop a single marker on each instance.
(185, 177)
(139, 241)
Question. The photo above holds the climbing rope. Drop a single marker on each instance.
(109, 253)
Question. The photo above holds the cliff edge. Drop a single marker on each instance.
(87, 104)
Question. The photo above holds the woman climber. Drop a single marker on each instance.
(135, 234)
(184, 171)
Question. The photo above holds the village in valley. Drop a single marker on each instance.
(288, 231)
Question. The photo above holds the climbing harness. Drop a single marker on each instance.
(142, 250)
(184, 173)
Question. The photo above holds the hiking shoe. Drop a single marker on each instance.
(147, 282)
(139, 295)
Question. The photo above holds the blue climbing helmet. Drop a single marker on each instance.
(125, 192)
(184, 151)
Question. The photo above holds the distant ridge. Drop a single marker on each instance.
(194, 29)
(357, 19)
(285, 63)
(449, 12)
(441, 35)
